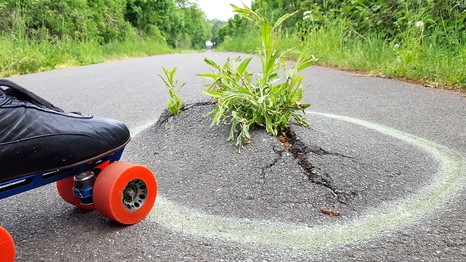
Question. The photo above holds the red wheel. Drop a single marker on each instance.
(7, 246)
(125, 192)
(65, 190)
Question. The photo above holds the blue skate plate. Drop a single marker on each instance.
(18, 185)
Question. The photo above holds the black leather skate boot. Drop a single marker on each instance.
(37, 137)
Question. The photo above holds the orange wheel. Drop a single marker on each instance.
(7, 246)
(125, 192)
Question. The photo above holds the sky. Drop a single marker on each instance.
(220, 9)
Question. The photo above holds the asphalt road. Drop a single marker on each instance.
(355, 117)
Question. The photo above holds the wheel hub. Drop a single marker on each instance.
(135, 194)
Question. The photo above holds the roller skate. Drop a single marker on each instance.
(41, 144)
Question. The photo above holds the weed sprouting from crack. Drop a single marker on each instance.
(165, 116)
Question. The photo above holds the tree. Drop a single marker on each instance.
(49, 20)
(196, 28)
(215, 25)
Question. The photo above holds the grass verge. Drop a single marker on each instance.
(22, 56)
(432, 63)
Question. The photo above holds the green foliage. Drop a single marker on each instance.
(415, 39)
(180, 23)
(154, 17)
(246, 43)
(58, 21)
(234, 27)
(269, 99)
(47, 34)
(444, 19)
(196, 28)
(174, 104)
(431, 64)
(108, 16)
(215, 26)
(387, 18)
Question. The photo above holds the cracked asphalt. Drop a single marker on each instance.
(264, 181)
(387, 156)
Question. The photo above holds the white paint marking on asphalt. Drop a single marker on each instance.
(448, 181)
(135, 131)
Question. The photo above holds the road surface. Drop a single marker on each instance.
(428, 124)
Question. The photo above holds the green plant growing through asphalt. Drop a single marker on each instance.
(174, 104)
(269, 99)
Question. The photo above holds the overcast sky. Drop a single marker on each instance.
(220, 9)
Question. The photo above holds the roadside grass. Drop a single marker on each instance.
(432, 63)
(249, 43)
(22, 56)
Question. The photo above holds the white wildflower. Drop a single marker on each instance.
(307, 15)
(419, 24)
(396, 46)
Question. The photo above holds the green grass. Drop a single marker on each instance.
(247, 44)
(432, 63)
(22, 56)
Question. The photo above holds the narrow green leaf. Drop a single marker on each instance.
(211, 63)
(165, 71)
(242, 67)
(266, 35)
(213, 94)
(246, 12)
(305, 64)
(273, 78)
(236, 8)
(165, 82)
(281, 20)
(209, 76)
(172, 75)
(271, 64)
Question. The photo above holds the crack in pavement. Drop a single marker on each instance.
(264, 169)
(274, 161)
(299, 146)
(300, 151)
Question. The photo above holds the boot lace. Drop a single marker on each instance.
(20, 93)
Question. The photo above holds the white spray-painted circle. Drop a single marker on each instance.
(448, 181)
